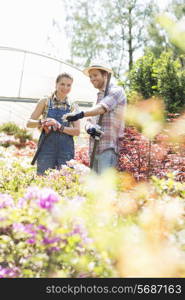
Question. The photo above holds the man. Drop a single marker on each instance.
(112, 107)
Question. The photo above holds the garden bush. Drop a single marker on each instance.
(162, 77)
(9, 128)
(12, 134)
(23, 135)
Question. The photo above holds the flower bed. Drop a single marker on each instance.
(71, 223)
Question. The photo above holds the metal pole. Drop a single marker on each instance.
(22, 72)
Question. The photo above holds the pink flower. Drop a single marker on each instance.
(6, 201)
(53, 240)
(9, 272)
(32, 193)
(31, 241)
(47, 198)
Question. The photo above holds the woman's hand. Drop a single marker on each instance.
(49, 124)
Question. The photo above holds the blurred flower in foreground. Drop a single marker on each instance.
(175, 131)
(147, 116)
(45, 197)
(147, 249)
(139, 257)
(9, 272)
(6, 200)
(176, 31)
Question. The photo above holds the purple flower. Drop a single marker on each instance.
(30, 228)
(6, 201)
(83, 275)
(81, 230)
(27, 228)
(32, 193)
(18, 227)
(21, 202)
(53, 240)
(31, 241)
(47, 198)
(43, 228)
(53, 249)
(9, 272)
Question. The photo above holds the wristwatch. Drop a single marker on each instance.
(40, 123)
(61, 128)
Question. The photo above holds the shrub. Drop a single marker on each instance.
(23, 135)
(167, 72)
(20, 135)
(141, 77)
(9, 128)
(162, 77)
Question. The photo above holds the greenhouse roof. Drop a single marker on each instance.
(28, 76)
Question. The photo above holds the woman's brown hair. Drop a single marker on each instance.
(63, 75)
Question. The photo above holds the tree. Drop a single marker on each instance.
(158, 37)
(85, 31)
(109, 30)
(178, 8)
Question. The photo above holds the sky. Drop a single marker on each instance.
(27, 24)
(162, 3)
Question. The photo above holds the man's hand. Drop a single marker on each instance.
(71, 117)
(95, 132)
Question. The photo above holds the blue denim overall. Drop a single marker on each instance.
(58, 147)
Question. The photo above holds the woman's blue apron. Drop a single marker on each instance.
(58, 148)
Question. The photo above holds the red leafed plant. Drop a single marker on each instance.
(143, 158)
(82, 155)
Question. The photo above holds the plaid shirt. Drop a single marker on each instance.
(55, 103)
(112, 122)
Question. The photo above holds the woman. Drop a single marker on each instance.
(58, 146)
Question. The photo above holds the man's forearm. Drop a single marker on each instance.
(97, 110)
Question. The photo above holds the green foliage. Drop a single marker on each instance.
(23, 135)
(169, 186)
(20, 135)
(141, 77)
(15, 179)
(162, 77)
(9, 128)
(160, 39)
(167, 72)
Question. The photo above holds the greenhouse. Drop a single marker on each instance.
(27, 76)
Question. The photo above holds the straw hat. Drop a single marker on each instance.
(97, 66)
